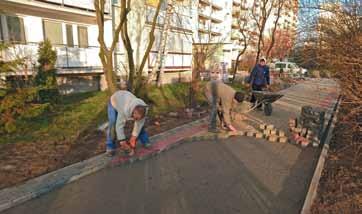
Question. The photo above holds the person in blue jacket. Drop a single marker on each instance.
(259, 78)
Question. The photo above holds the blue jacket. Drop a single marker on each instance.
(259, 75)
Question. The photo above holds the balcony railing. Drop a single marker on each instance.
(217, 15)
(235, 24)
(235, 35)
(236, 12)
(205, 11)
(80, 4)
(236, 2)
(217, 4)
(67, 57)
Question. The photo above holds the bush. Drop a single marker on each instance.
(45, 79)
(19, 104)
(46, 55)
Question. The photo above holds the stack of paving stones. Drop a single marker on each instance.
(302, 135)
(270, 133)
(313, 119)
(265, 131)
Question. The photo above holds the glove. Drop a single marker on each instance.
(133, 141)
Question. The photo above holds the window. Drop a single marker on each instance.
(69, 30)
(53, 31)
(16, 31)
(82, 37)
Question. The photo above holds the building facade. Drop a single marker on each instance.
(71, 28)
(212, 26)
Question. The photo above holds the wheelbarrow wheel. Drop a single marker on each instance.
(268, 109)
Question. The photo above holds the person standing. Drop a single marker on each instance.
(123, 106)
(259, 79)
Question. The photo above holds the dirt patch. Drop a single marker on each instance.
(23, 161)
(340, 187)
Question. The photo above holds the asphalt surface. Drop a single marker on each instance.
(236, 175)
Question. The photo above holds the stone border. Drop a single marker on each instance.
(313, 187)
(35, 187)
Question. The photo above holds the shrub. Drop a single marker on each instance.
(45, 79)
(19, 104)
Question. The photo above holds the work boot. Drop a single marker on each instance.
(213, 130)
(147, 145)
(110, 152)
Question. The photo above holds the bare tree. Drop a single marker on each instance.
(106, 53)
(244, 29)
(335, 46)
(261, 11)
(158, 68)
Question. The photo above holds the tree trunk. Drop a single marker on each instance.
(280, 7)
(108, 72)
(163, 47)
(129, 50)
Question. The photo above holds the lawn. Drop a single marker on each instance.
(79, 113)
(72, 115)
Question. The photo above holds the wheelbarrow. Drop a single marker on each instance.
(265, 98)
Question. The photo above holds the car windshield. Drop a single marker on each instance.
(280, 65)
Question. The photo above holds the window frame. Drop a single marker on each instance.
(61, 32)
(79, 36)
(70, 40)
(21, 29)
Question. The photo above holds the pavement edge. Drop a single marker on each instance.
(13, 196)
(312, 190)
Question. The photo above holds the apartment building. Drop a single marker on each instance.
(71, 27)
(172, 48)
(246, 12)
(212, 38)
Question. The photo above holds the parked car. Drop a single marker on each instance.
(289, 67)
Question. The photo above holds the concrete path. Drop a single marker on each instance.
(236, 175)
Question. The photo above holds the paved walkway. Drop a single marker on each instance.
(236, 175)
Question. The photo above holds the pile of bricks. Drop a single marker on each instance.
(301, 135)
(313, 119)
(268, 132)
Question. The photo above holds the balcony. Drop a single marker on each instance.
(217, 16)
(205, 2)
(236, 2)
(217, 4)
(204, 12)
(204, 28)
(87, 5)
(235, 35)
(66, 10)
(235, 24)
(216, 30)
(69, 59)
(236, 12)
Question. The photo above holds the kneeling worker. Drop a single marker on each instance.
(222, 98)
(124, 106)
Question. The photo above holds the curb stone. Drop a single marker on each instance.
(13, 196)
(312, 190)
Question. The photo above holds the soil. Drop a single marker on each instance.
(23, 161)
(340, 187)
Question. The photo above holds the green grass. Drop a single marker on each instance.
(238, 86)
(77, 113)
(66, 120)
(170, 97)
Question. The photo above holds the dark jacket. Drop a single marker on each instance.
(260, 75)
